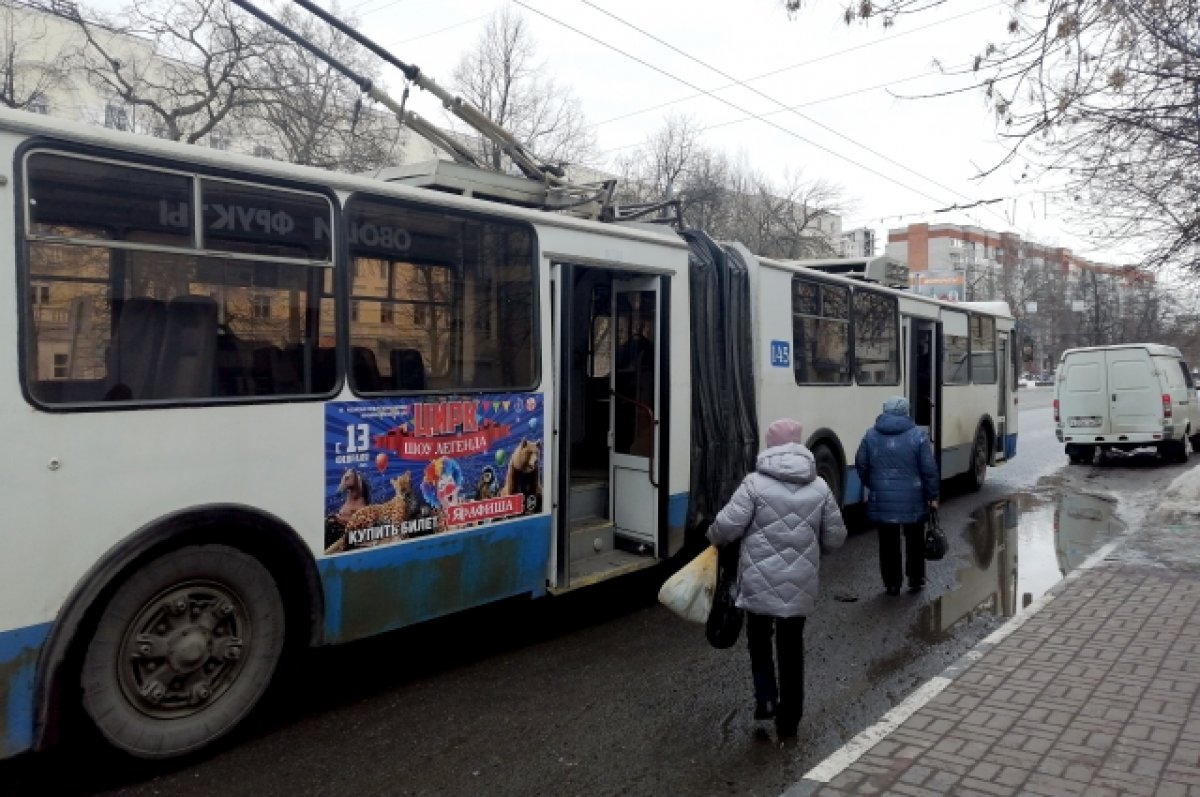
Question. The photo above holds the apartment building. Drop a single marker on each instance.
(45, 49)
(1060, 298)
(859, 242)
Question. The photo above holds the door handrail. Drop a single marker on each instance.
(653, 422)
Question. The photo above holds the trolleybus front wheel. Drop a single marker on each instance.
(183, 651)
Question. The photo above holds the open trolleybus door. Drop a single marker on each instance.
(925, 379)
(634, 460)
(1000, 453)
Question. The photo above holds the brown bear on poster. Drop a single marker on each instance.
(524, 475)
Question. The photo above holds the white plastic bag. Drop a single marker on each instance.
(689, 593)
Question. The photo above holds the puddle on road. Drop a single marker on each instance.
(1020, 547)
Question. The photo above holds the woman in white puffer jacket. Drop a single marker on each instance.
(785, 516)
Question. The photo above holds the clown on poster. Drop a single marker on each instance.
(396, 469)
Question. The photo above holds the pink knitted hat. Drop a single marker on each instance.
(784, 430)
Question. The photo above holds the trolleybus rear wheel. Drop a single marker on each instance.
(981, 454)
(829, 470)
(183, 651)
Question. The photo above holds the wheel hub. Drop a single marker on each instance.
(183, 649)
(189, 649)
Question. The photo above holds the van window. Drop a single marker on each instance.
(1170, 372)
(1187, 375)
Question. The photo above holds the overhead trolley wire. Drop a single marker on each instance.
(971, 201)
(731, 104)
(809, 62)
(782, 106)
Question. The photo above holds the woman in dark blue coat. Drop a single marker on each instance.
(895, 463)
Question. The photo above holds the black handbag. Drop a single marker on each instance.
(935, 540)
(724, 624)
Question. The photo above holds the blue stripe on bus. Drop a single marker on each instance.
(391, 586)
(18, 660)
(852, 492)
(1010, 445)
(677, 509)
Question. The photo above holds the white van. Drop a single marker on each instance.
(1125, 397)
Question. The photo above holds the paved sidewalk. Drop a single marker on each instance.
(1095, 693)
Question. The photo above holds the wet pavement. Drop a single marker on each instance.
(605, 692)
(1020, 547)
(1091, 690)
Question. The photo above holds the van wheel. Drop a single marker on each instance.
(1182, 449)
(183, 651)
(829, 469)
(1079, 455)
(981, 454)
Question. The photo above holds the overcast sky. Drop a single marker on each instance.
(853, 120)
(631, 62)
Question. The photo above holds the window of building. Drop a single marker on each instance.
(38, 103)
(260, 306)
(116, 116)
(175, 318)
(876, 339)
(983, 350)
(263, 151)
(463, 295)
(387, 313)
(820, 332)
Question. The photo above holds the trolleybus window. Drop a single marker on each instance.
(446, 300)
(956, 361)
(876, 339)
(821, 332)
(983, 350)
(131, 309)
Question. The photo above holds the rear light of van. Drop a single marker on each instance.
(1166, 405)
(1056, 418)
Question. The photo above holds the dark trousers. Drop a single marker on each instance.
(789, 643)
(891, 560)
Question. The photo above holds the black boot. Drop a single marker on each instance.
(764, 709)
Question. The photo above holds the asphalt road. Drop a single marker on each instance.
(603, 691)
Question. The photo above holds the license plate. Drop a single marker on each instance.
(1084, 422)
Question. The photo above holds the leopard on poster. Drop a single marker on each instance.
(397, 469)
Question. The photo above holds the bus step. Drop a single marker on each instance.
(603, 566)
(589, 498)
(589, 536)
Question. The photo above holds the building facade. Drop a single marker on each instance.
(859, 242)
(43, 50)
(1061, 300)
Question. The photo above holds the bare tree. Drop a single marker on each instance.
(313, 114)
(179, 67)
(798, 214)
(657, 171)
(731, 200)
(28, 59)
(1104, 96)
(501, 78)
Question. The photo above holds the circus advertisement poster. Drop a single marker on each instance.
(396, 469)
